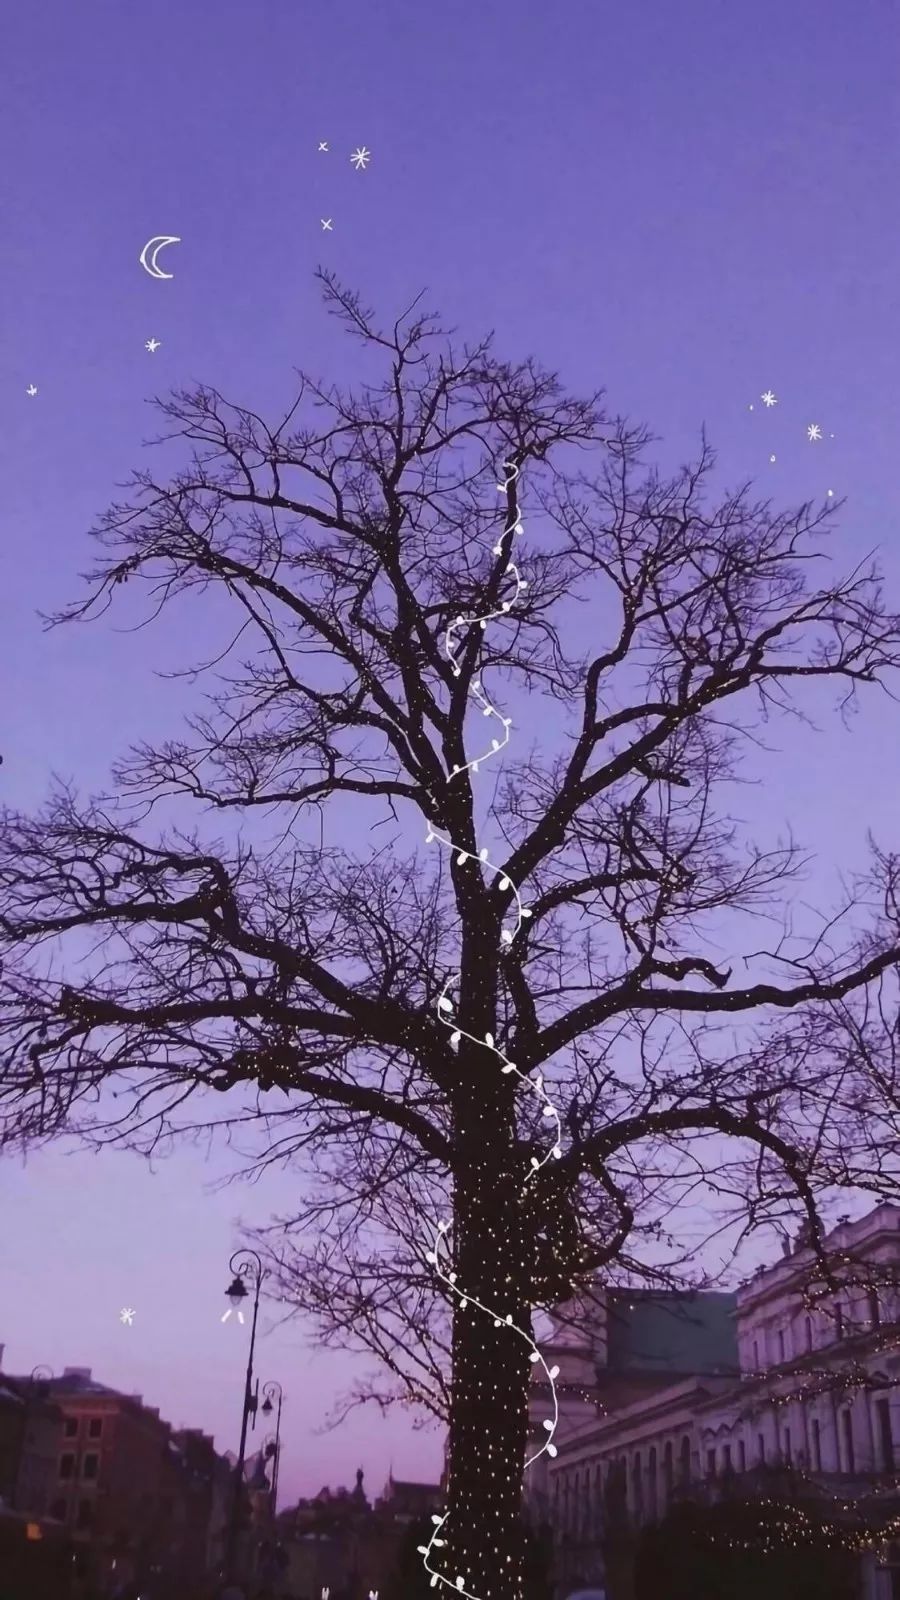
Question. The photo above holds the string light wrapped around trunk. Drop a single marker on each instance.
(445, 1012)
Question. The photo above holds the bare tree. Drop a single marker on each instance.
(549, 1037)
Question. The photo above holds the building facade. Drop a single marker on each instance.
(138, 1500)
(812, 1390)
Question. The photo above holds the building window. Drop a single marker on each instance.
(809, 1341)
(70, 1427)
(58, 1510)
(761, 1448)
(89, 1465)
(885, 1434)
(838, 1320)
(874, 1308)
(817, 1445)
(686, 1459)
(756, 1355)
(85, 1513)
(668, 1467)
(742, 1456)
(849, 1450)
(637, 1482)
(781, 1344)
(67, 1465)
(787, 1445)
(710, 1463)
(95, 1427)
(726, 1457)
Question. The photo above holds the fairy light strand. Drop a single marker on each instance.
(445, 1010)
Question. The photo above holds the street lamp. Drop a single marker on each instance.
(270, 1389)
(244, 1265)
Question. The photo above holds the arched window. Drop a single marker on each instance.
(598, 1494)
(668, 1467)
(685, 1462)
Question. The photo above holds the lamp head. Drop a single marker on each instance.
(237, 1290)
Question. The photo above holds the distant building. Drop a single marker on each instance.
(30, 1433)
(336, 1540)
(140, 1500)
(406, 1502)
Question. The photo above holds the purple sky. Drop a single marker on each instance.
(687, 204)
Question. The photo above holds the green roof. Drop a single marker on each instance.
(677, 1332)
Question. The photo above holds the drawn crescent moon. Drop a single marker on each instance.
(152, 249)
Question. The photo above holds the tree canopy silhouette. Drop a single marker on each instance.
(358, 543)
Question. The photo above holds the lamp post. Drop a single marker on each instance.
(270, 1389)
(244, 1264)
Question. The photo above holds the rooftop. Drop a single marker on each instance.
(671, 1331)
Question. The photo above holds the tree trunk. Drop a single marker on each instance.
(491, 1369)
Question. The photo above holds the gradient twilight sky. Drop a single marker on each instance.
(688, 204)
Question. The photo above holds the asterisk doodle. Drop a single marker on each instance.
(814, 431)
(31, 389)
(768, 399)
(361, 158)
(152, 345)
(126, 1315)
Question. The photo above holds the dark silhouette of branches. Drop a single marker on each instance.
(348, 541)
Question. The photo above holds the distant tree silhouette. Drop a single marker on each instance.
(163, 966)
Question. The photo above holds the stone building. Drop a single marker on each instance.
(666, 1396)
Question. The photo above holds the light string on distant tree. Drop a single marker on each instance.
(445, 1014)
